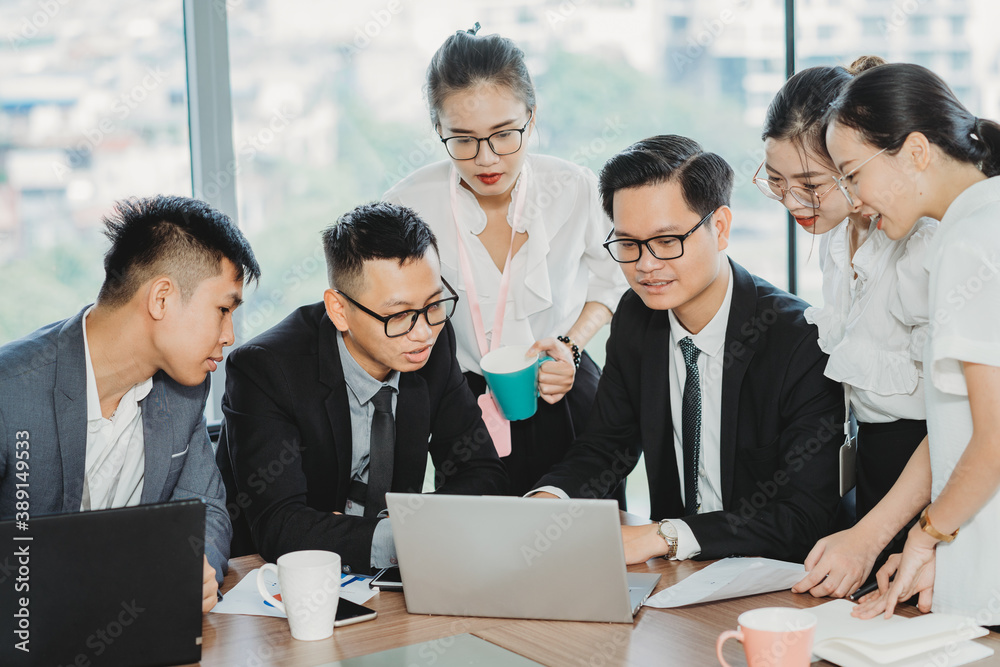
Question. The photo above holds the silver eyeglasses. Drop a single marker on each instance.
(840, 181)
(803, 195)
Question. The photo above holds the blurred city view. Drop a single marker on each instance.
(329, 112)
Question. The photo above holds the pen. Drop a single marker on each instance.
(864, 590)
(868, 588)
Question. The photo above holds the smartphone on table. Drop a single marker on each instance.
(388, 579)
(349, 613)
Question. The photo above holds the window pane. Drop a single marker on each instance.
(92, 109)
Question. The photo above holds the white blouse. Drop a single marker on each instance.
(873, 326)
(560, 267)
(964, 264)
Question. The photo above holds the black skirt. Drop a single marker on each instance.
(541, 441)
(883, 452)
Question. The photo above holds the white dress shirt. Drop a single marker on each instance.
(964, 264)
(873, 327)
(711, 341)
(115, 461)
(560, 267)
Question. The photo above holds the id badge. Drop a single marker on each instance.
(498, 427)
(848, 456)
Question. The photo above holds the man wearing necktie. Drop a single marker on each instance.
(711, 372)
(343, 401)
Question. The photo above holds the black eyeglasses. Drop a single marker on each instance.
(503, 142)
(668, 246)
(402, 323)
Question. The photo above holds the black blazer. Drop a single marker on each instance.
(781, 428)
(285, 447)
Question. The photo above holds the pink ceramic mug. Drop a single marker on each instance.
(773, 637)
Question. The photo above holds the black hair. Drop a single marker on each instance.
(887, 103)
(706, 179)
(466, 60)
(797, 112)
(378, 230)
(167, 235)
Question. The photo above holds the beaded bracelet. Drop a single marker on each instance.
(574, 348)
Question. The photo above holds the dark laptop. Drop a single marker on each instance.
(118, 587)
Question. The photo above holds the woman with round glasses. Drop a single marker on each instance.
(907, 149)
(874, 310)
(520, 239)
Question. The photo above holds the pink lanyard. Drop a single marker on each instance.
(470, 285)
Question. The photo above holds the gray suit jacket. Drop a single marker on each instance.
(43, 400)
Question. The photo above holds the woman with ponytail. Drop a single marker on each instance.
(875, 308)
(520, 237)
(907, 148)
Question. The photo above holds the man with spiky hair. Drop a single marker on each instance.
(344, 399)
(114, 397)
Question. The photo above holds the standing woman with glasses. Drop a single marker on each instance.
(908, 149)
(520, 239)
(872, 319)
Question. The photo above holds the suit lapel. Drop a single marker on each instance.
(412, 427)
(157, 440)
(338, 411)
(738, 352)
(70, 398)
(656, 419)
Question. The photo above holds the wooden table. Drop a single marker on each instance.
(684, 637)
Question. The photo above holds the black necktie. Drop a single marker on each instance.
(691, 425)
(380, 455)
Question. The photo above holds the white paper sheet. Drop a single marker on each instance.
(730, 578)
(244, 598)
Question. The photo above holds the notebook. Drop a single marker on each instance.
(110, 587)
(942, 640)
(515, 558)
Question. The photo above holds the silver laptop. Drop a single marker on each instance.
(515, 558)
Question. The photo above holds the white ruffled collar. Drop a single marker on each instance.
(533, 292)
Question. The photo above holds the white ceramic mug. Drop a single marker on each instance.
(310, 591)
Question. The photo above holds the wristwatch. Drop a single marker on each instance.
(668, 532)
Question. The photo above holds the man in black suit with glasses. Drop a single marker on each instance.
(342, 401)
(712, 372)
